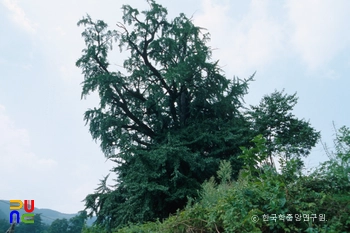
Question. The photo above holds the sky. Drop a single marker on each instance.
(46, 151)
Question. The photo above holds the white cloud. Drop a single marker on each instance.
(17, 159)
(60, 31)
(320, 29)
(332, 74)
(18, 15)
(245, 43)
(70, 74)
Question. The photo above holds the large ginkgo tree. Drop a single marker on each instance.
(167, 118)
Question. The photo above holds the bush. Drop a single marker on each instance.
(263, 200)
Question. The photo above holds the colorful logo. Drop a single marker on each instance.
(28, 217)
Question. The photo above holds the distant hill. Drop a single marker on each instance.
(47, 215)
(2, 215)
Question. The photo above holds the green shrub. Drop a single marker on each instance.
(93, 229)
(241, 205)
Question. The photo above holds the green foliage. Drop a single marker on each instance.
(255, 156)
(170, 116)
(93, 229)
(225, 171)
(240, 206)
(167, 122)
(36, 227)
(335, 173)
(284, 133)
(58, 226)
(73, 225)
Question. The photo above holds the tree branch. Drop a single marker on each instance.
(156, 73)
(123, 105)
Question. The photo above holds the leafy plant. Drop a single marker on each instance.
(260, 200)
(170, 116)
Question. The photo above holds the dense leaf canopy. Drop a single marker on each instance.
(167, 118)
(285, 134)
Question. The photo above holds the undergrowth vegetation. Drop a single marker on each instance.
(264, 200)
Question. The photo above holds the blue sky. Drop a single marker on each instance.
(46, 151)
